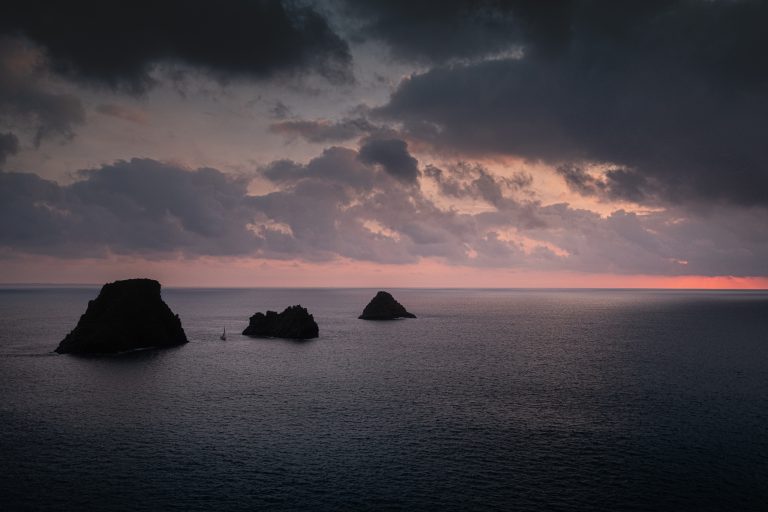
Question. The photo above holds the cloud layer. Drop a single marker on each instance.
(9, 145)
(669, 92)
(322, 131)
(26, 102)
(117, 44)
(338, 205)
(456, 30)
(465, 132)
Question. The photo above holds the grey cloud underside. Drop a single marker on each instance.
(324, 131)
(338, 206)
(132, 115)
(9, 145)
(116, 44)
(434, 33)
(25, 100)
(675, 94)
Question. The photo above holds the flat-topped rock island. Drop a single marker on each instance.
(126, 315)
(294, 322)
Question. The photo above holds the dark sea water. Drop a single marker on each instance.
(490, 400)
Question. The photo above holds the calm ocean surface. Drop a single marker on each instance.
(490, 400)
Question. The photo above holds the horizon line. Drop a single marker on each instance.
(12, 285)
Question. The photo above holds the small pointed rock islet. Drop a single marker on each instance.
(384, 307)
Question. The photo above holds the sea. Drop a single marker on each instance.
(519, 400)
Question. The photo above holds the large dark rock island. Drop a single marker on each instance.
(127, 315)
(384, 307)
(294, 322)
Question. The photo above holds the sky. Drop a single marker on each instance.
(385, 143)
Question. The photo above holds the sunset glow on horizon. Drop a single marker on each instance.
(248, 273)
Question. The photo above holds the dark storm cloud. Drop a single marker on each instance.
(674, 94)
(580, 181)
(393, 156)
(9, 145)
(324, 131)
(26, 102)
(118, 43)
(614, 184)
(438, 32)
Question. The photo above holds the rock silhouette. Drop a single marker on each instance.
(294, 322)
(126, 315)
(384, 307)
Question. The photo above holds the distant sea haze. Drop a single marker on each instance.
(490, 400)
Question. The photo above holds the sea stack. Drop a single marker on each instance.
(294, 322)
(384, 307)
(127, 315)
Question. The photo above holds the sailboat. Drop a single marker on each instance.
(223, 336)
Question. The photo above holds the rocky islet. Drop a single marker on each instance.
(126, 315)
